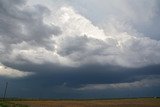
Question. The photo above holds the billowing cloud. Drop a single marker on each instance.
(142, 16)
(89, 44)
(12, 73)
(92, 44)
(38, 35)
(23, 25)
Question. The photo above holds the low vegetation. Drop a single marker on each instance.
(11, 104)
(145, 102)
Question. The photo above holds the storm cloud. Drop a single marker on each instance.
(59, 48)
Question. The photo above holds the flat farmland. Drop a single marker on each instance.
(150, 102)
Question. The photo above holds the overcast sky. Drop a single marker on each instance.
(80, 48)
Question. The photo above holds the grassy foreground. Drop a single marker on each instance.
(10, 104)
(141, 102)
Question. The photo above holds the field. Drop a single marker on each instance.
(10, 104)
(145, 102)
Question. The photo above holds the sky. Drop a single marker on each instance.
(80, 48)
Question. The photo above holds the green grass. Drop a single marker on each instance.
(9, 104)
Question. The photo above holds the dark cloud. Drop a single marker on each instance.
(18, 24)
(61, 82)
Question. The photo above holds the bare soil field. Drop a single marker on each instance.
(149, 102)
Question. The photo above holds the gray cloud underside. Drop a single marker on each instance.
(144, 83)
(62, 82)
